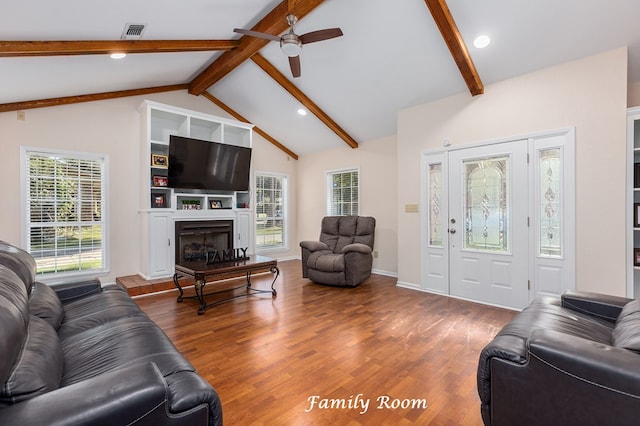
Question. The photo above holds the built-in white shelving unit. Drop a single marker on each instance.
(161, 206)
(633, 202)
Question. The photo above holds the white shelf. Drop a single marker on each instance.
(212, 202)
(205, 130)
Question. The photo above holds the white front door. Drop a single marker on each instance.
(498, 222)
(488, 230)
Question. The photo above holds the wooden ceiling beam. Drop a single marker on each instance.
(100, 47)
(67, 100)
(449, 30)
(302, 98)
(258, 130)
(274, 22)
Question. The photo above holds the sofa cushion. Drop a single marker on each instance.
(365, 231)
(14, 319)
(339, 231)
(326, 261)
(97, 309)
(626, 333)
(133, 340)
(38, 370)
(45, 304)
(20, 262)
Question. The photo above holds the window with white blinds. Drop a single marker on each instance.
(271, 217)
(343, 193)
(65, 206)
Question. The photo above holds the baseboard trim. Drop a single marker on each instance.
(385, 273)
(412, 286)
(284, 259)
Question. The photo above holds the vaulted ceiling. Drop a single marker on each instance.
(393, 55)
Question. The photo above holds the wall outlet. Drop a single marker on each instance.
(375, 254)
(21, 115)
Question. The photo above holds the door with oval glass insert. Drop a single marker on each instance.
(487, 224)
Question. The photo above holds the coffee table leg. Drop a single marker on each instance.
(199, 289)
(177, 284)
(274, 270)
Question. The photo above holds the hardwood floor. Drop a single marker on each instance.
(269, 358)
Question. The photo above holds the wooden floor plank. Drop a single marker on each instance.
(377, 342)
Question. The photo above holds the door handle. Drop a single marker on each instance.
(452, 230)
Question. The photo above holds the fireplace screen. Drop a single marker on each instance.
(195, 238)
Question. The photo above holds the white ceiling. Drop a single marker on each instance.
(390, 57)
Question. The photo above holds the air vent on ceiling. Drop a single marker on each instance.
(133, 31)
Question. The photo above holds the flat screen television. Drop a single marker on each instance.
(199, 164)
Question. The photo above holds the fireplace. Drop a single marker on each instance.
(195, 238)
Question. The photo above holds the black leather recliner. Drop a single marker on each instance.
(572, 360)
(87, 355)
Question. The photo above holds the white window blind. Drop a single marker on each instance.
(271, 193)
(343, 193)
(65, 205)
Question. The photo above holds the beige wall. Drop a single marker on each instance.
(633, 94)
(590, 94)
(108, 127)
(376, 160)
(267, 158)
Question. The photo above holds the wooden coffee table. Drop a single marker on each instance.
(211, 274)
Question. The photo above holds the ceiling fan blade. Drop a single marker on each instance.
(320, 35)
(256, 34)
(294, 63)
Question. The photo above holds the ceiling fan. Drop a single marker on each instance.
(291, 43)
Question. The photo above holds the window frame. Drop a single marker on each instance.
(25, 222)
(329, 201)
(284, 182)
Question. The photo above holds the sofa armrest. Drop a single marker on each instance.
(132, 395)
(599, 305)
(566, 380)
(76, 290)
(313, 245)
(599, 365)
(357, 248)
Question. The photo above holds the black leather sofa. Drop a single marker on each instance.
(572, 360)
(84, 354)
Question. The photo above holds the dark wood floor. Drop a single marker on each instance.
(268, 358)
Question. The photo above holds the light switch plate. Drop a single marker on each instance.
(411, 208)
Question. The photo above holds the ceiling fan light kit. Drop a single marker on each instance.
(291, 43)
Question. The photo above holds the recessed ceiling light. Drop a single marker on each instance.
(481, 41)
(302, 111)
(118, 55)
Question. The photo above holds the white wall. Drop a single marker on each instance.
(110, 127)
(590, 94)
(376, 160)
